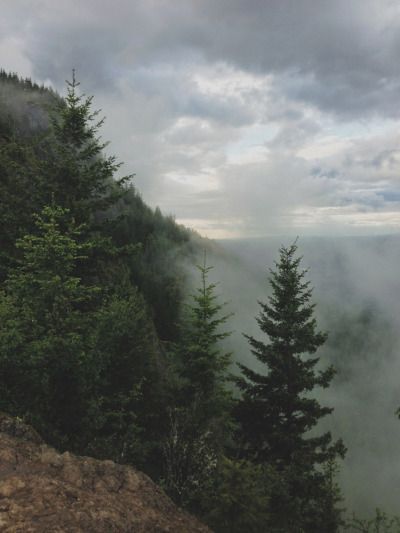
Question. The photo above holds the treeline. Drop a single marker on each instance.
(104, 353)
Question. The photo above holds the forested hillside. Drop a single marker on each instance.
(106, 351)
(92, 284)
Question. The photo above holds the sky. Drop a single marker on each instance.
(242, 118)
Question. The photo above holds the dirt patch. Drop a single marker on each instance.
(43, 490)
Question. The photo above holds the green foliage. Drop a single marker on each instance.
(237, 497)
(277, 411)
(200, 422)
(75, 171)
(306, 500)
(380, 523)
(78, 363)
(156, 267)
(203, 365)
(48, 370)
(18, 167)
(190, 458)
(128, 407)
(91, 281)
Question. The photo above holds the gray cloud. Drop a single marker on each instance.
(356, 291)
(234, 112)
(338, 56)
(251, 118)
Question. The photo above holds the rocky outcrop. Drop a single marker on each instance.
(42, 490)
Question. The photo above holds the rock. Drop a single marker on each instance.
(42, 490)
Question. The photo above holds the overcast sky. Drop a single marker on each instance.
(240, 117)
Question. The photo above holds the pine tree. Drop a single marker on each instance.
(18, 195)
(76, 172)
(61, 162)
(277, 411)
(129, 409)
(46, 346)
(203, 363)
(77, 175)
(200, 421)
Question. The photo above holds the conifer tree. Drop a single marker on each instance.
(76, 172)
(200, 422)
(47, 368)
(77, 360)
(61, 162)
(77, 175)
(203, 363)
(18, 195)
(278, 411)
(129, 407)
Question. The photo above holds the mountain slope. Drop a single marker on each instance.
(42, 490)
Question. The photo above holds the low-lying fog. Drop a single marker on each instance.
(357, 291)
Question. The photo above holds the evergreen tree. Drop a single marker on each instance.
(237, 499)
(277, 411)
(77, 361)
(200, 421)
(76, 173)
(203, 365)
(47, 368)
(18, 195)
(129, 408)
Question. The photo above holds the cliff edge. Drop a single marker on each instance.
(42, 490)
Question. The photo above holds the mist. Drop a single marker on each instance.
(356, 287)
(245, 119)
(238, 118)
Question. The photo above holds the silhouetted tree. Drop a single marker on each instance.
(277, 411)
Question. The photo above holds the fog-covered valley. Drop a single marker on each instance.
(356, 291)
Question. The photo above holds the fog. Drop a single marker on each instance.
(26, 109)
(237, 117)
(356, 291)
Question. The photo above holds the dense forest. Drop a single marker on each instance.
(108, 351)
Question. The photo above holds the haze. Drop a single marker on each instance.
(241, 118)
(253, 119)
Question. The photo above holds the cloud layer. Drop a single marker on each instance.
(241, 118)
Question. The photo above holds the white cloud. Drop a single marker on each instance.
(238, 117)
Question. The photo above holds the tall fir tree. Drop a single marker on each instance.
(129, 409)
(61, 162)
(18, 195)
(203, 363)
(278, 413)
(78, 361)
(200, 422)
(47, 319)
(76, 172)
